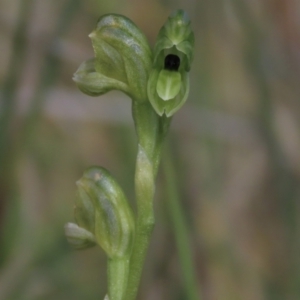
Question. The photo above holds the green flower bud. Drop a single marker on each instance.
(168, 84)
(122, 59)
(102, 209)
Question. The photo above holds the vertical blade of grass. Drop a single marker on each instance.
(8, 190)
(284, 180)
(180, 229)
(12, 275)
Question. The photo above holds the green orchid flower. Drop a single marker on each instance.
(122, 60)
(168, 84)
(102, 215)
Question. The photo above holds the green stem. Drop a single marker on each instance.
(180, 230)
(144, 185)
(118, 270)
(151, 131)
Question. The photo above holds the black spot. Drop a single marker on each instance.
(172, 62)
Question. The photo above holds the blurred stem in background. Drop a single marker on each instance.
(12, 81)
(8, 185)
(180, 228)
(8, 182)
(9, 153)
(284, 181)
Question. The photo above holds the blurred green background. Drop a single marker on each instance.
(235, 144)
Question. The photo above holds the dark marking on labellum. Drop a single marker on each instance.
(172, 62)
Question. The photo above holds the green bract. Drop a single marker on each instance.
(168, 84)
(122, 59)
(102, 215)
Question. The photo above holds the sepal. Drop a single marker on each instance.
(93, 83)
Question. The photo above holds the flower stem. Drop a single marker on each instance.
(151, 131)
(144, 186)
(118, 270)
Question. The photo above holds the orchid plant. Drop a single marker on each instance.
(158, 84)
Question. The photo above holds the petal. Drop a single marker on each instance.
(157, 103)
(92, 83)
(171, 106)
(168, 84)
(187, 47)
(180, 99)
(84, 212)
(78, 237)
(161, 44)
